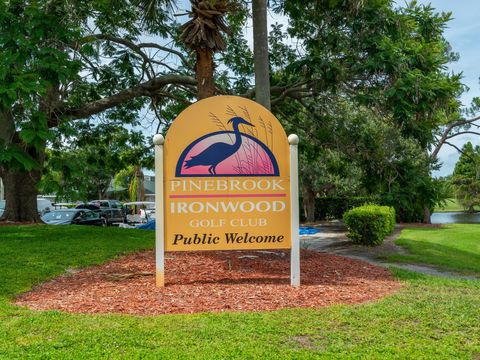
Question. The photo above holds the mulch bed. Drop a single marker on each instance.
(212, 282)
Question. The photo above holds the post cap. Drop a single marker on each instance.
(293, 139)
(158, 139)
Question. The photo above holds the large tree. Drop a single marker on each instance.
(388, 59)
(53, 72)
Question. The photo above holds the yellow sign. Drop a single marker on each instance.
(227, 181)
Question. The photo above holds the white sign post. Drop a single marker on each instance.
(295, 250)
(186, 160)
(158, 141)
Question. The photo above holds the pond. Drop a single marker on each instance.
(455, 218)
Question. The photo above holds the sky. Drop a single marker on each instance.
(462, 33)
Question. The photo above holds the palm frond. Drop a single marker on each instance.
(205, 28)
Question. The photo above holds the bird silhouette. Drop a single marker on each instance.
(216, 153)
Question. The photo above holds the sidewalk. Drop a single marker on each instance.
(332, 239)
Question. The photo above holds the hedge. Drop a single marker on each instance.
(369, 224)
(333, 207)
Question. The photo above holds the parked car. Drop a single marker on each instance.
(115, 204)
(74, 216)
(58, 206)
(113, 215)
(93, 207)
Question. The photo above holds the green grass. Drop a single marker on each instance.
(453, 247)
(429, 319)
(33, 254)
(451, 206)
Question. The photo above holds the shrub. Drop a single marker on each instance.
(369, 224)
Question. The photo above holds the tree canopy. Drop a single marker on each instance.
(466, 177)
(364, 83)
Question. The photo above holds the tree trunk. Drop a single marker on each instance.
(204, 73)
(21, 196)
(140, 184)
(309, 203)
(426, 215)
(20, 187)
(260, 52)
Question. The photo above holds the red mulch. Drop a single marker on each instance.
(212, 281)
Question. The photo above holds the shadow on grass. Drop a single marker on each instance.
(445, 257)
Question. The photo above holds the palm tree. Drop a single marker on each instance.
(132, 177)
(203, 34)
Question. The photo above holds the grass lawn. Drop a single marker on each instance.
(452, 247)
(452, 205)
(429, 319)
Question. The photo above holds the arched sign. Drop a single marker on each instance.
(226, 178)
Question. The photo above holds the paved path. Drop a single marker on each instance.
(332, 239)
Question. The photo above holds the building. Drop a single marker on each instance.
(149, 185)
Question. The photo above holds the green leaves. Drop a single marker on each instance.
(35, 132)
(14, 157)
(466, 177)
(84, 166)
(369, 224)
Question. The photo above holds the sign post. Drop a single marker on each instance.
(158, 141)
(226, 178)
(295, 250)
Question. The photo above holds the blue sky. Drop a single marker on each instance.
(463, 34)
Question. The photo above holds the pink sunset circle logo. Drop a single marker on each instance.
(253, 157)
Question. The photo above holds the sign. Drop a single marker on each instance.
(226, 178)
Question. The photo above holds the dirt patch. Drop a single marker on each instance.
(212, 281)
(305, 342)
(11, 223)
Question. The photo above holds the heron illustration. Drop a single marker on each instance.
(216, 153)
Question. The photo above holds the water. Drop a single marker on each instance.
(455, 218)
